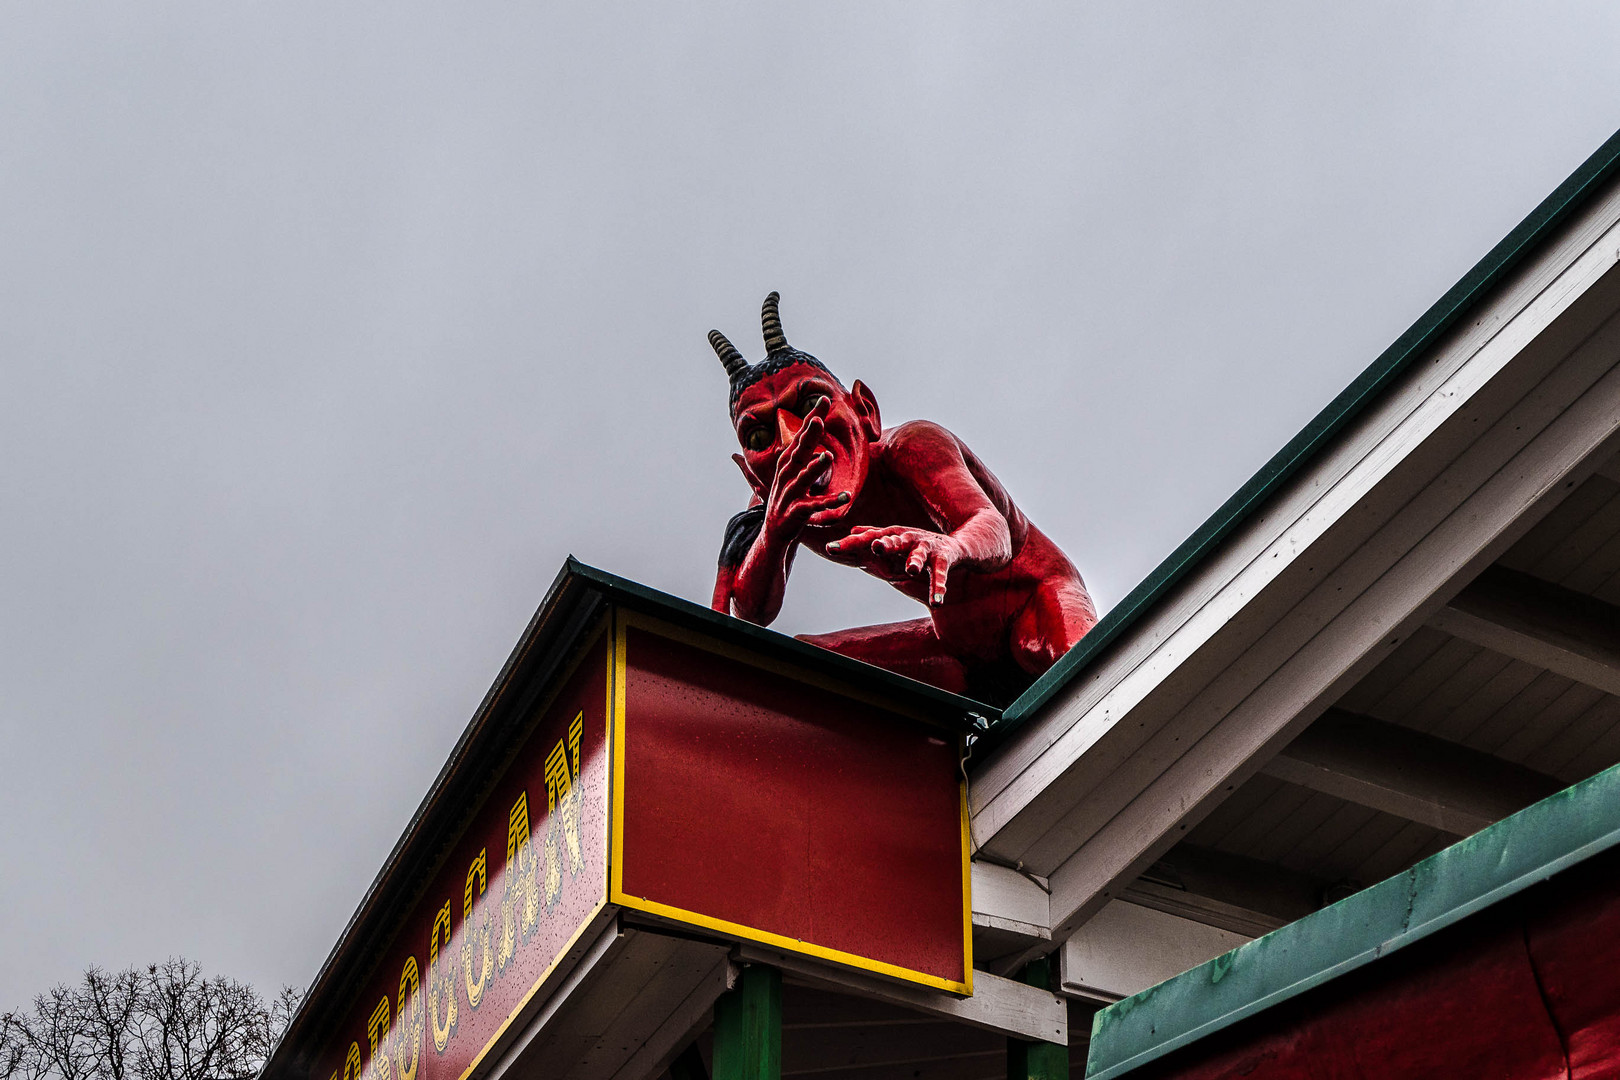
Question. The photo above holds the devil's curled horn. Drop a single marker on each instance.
(775, 340)
(729, 356)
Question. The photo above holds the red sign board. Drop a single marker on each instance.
(748, 799)
(762, 803)
(525, 878)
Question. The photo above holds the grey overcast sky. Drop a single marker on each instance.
(330, 329)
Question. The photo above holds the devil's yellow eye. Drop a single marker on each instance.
(758, 439)
(810, 401)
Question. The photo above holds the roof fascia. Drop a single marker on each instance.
(1457, 458)
(1457, 302)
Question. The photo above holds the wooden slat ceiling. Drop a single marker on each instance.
(1456, 691)
(1310, 833)
(1465, 694)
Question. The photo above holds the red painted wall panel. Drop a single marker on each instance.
(1290, 1052)
(1528, 992)
(758, 800)
(1575, 947)
(1471, 1010)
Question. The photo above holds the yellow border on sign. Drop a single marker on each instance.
(967, 883)
(599, 636)
(622, 622)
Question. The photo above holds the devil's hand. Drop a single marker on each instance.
(896, 552)
(791, 505)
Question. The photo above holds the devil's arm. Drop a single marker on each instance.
(748, 593)
(931, 460)
(741, 532)
(759, 581)
(975, 528)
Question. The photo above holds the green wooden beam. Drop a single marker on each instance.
(1037, 1060)
(748, 1027)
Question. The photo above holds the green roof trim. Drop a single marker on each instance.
(1508, 857)
(972, 715)
(1454, 305)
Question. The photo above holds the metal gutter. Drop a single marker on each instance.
(1350, 403)
(1494, 864)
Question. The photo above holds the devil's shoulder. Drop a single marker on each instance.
(919, 435)
(919, 445)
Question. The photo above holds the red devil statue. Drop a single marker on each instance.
(909, 504)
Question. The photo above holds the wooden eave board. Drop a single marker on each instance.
(1380, 451)
(1516, 710)
(1470, 876)
(1454, 308)
(1577, 548)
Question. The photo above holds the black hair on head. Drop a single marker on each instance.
(770, 366)
(778, 354)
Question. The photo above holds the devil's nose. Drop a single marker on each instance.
(787, 426)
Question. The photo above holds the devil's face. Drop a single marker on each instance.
(770, 413)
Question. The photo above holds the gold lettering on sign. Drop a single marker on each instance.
(408, 1035)
(520, 893)
(441, 981)
(475, 934)
(562, 820)
(558, 779)
(532, 883)
(377, 1035)
(576, 729)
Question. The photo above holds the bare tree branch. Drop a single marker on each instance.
(167, 1022)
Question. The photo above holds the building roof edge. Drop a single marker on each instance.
(1304, 447)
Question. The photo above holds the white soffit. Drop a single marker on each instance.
(1462, 454)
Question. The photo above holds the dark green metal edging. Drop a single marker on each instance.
(760, 639)
(1453, 306)
(1508, 857)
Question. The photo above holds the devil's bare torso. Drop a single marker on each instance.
(979, 599)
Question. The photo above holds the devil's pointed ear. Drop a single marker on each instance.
(760, 490)
(866, 407)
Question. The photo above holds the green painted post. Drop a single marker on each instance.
(1037, 1060)
(748, 1027)
(689, 1065)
